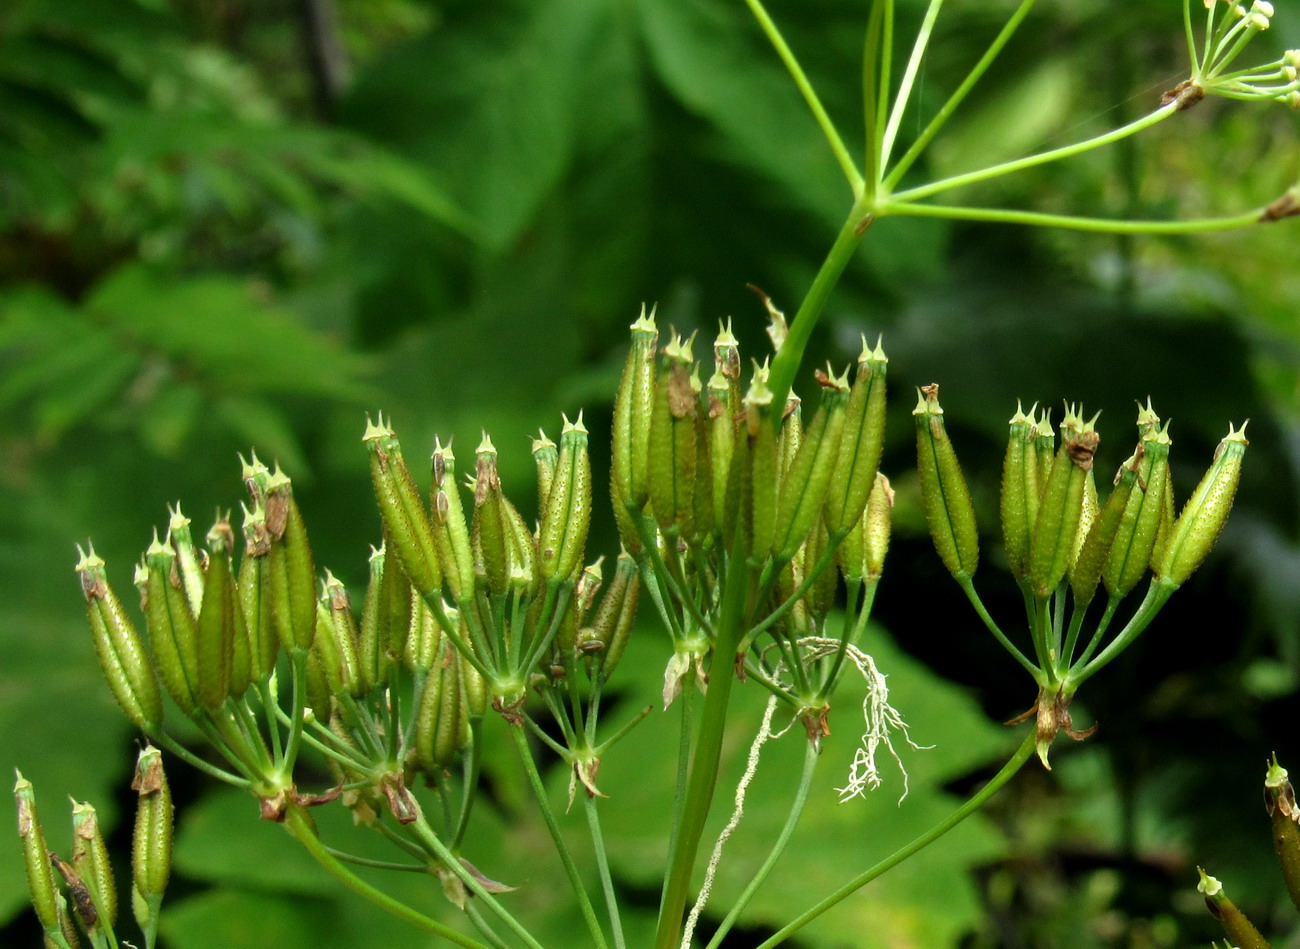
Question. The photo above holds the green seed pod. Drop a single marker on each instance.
(1206, 511)
(562, 539)
(808, 478)
(338, 650)
(292, 570)
(521, 549)
(215, 639)
(395, 605)
(862, 442)
(172, 631)
(439, 718)
(788, 439)
(491, 532)
(703, 513)
(254, 588)
(1279, 800)
(760, 492)
(724, 406)
(944, 495)
(1044, 449)
(633, 407)
(151, 847)
(1134, 540)
(1053, 544)
(318, 687)
(423, 637)
(673, 436)
(189, 559)
(46, 899)
(1087, 516)
(121, 652)
(1167, 518)
(545, 456)
(450, 528)
(820, 599)
(1241, 933)
(473, 688)
(1020, 491)
(408, 533)
(372, 661)
(91, 862)
(604, 641)
(875, 523)
(1085, 574)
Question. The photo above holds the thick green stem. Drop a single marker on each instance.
(1023, 754)
(300, 824)
(778, 848)
(708, 752)
(790, 356)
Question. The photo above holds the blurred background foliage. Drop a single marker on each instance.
(227, 223)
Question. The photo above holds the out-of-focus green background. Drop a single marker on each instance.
(229, 223)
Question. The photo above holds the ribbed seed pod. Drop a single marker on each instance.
(1240, 931)
(372, 661)
(944, 495)
(422, 640)
(1280, 802)
(820, 598)
(1020, 491)
(395, 605)
(172, 631)
(1044, 448)
(407, 530)
(473, 687)
(1136, 537)
(292, 570)
(1085, 574)
(151, 847)
(545, 456)
(121, 652)
(605, 638)
(703, 516)
(337, 639)
(254, 588)
(633, 407)
(450, 527)
(724, 406)
(1053, 543)
(761, 491)
(1167, 517)
(861, 443)
(90, 860)
(46, 899)
(215, 640)
(788, 439)
(521, 547)
(1206, 511)
(491, 531)
(318, 688)
(189, 559)
(562, 538)
(876, 527)
(1087, 516)
(673, 434)
(808, 479)
(439, 720)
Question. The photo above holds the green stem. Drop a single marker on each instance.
(783, 838)
(1076, 223)
(790, 356)
(1112, 605)
(909, 79)
(570, 869)
(968, 587)
(299, 662)
(606, 879)
(824, 122)
(1019, 164)
(180, 751)
(300, 824)
(1023, 754)
(360, 861)
(823, 562)
(708, 749)
(871, 95)
(956, 99)
(686, 703)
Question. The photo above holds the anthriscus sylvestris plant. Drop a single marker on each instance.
(754, 529)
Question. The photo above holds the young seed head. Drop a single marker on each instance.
(633, 407)
(215, 627)
(292, 571)
(450, 528)
(406, 520)
(861, 443)
(562, 537)
(151, 849)
(808, 478)
(673, 436)
(1020, 490)
(1139, 526)
(91, 862)
(172, 630)
(40, 876)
